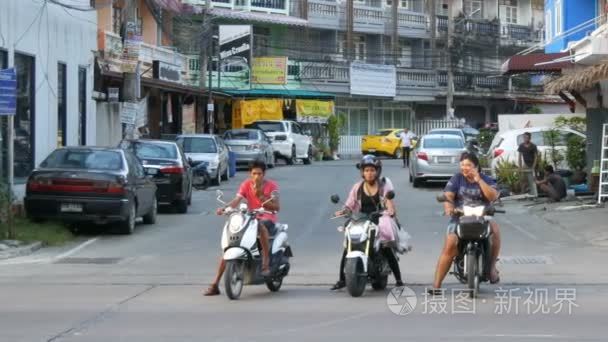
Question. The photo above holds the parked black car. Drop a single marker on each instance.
(174, 176)
(92, 184)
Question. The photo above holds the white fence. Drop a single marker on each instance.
(421, 127)
(350, 144)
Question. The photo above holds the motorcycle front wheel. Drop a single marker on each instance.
(356, 280)
(472, 274)
(234, 278)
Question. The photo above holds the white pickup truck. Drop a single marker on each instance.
(289, 141)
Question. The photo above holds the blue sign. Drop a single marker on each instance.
(8, 91)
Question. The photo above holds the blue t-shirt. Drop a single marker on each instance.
(467, 192)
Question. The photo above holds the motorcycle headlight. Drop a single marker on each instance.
(235, 223)
(357, 232)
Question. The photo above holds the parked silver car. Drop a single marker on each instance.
(437, 157)
(207, 148)
(249, 145)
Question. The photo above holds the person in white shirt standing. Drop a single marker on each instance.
(406, 144)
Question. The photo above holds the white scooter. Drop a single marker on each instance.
(242, 250)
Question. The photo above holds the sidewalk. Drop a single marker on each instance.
(583, 219)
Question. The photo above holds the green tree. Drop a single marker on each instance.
(334, 126)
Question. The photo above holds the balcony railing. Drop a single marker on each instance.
(521, 33)
(328, 14)
(112, 47)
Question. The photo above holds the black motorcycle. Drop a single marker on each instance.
(473, 265)
(201, 179)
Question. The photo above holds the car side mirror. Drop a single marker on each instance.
(190, 161)
(335, 199)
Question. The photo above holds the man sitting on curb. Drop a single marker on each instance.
(553, 185)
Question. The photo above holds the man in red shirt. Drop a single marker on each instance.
(255, 190)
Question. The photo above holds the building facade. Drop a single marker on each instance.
(325, 56)
(50, 47)
(569, 21)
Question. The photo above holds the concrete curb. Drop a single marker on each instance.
(20, 251)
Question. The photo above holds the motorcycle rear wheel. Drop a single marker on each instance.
(380, 283)
(355, 279)
(274, 285)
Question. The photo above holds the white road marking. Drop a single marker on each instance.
(33, 260)
(520, 229)
(75, 249)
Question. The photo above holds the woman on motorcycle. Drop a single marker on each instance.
(367, 197)
(467, 186)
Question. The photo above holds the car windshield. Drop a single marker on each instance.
(446, 132)
(84, 159)
(150, 150)
(241, 135)
(442, 143)
(384, 133)
(198, 145)
(270, 126)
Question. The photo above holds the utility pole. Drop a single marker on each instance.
(395, 33)
(450, 94)
(210, 109)
(202, 61)
(130, 86)
(433, 22)
(350, 18)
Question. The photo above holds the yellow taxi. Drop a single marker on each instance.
(385, 142)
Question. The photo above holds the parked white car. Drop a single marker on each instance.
(505, 144)
(289, 141)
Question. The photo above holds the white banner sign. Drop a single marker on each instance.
(373, 80)
(129, 113)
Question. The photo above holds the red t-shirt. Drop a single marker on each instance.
(253, 202)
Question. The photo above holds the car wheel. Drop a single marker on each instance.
(218, 179)
(292, 159)
(128, 225)
(308, 159)
(150, 218)
(190, 195)
(417, 182)
(411, 178)
(225, 176)
(398, 153)
(272, 161)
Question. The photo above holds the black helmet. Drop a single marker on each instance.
(370, 160)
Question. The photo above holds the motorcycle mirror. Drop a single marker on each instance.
(390, 195)
(441, 198)
(335, 199)
(219, 194)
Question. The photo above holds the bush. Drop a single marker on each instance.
(553, 155)
(507, 174)
(485, 138)
(575, 153)
(334, 125)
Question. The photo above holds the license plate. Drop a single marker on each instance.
(444, 160)
(71, 208)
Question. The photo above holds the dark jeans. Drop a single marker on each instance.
(388, 254)
(406, 156)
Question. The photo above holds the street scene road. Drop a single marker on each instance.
(148, 286)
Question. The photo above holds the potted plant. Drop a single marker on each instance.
(334, 126)
(507, 175)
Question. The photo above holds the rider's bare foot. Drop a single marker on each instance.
(213, 290)
(494, 276)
